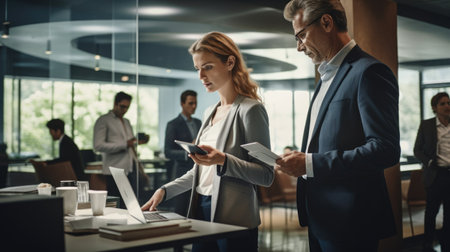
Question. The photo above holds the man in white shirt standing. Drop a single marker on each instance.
(432, 148)
(114, 138)
(351, 135)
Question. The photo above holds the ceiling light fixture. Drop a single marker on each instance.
(97, 66)
(5, 33)
(48, 50)
(97, 52)
(158, 11)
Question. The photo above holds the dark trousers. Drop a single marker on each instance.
(437, 193)
(319, 245)
(247, 243)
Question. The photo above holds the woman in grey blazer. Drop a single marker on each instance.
(224, 181)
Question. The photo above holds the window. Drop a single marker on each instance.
(436, 75)
(409, 109)
(287, 110)
(278, 104)
(78, 104)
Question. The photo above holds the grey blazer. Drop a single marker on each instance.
(234, 198)
(110, 139)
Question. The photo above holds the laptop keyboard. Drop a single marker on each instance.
(151, 216)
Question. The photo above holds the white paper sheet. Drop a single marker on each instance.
(261, 153)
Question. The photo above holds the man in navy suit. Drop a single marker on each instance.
(351, 135)
(184, 128)
(432, 149)
(68, 150)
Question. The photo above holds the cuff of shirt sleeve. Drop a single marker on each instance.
(309, 166)
(221, 169)
(165, 192)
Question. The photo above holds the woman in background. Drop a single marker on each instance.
(224, 182)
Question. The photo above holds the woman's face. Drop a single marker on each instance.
(213, 73)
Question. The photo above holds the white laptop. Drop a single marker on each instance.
(132, 204)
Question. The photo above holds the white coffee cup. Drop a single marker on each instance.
(44, 189)
(70, 198)
(98, 201)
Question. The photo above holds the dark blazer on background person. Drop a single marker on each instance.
(177, 129)
(355, 137)
(425, 149)
(68, 151)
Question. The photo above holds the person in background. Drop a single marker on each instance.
(289, 149)
(224, 181)
(184, 128)
(68, 150)
(432, 148)
(351, 135)
(3, 165)
(114, 138)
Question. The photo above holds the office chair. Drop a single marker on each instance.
(53, 173)
(283, 190)
(413, 193)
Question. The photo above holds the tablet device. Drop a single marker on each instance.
(191, 148)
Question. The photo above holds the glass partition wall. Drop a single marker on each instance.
(65, 62)
(67, 59)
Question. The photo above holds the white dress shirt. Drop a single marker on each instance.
(327, 71)
(443, 144)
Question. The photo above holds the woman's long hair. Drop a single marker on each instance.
(223, 46)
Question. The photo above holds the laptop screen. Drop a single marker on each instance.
(127, 193)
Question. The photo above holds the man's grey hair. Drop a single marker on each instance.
(313, 9)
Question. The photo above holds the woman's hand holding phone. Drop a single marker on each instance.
(213, 157)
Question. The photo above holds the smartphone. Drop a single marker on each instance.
(191, 148)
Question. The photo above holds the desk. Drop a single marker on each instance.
(111, 201)
(156, 173)
(201, 231)
(410, 167)
(96, 179)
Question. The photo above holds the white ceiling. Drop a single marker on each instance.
(261, 32)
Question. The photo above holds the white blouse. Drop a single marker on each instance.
(209, 137)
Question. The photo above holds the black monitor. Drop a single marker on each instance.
(32, 223)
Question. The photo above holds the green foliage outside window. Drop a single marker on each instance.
(41, 101)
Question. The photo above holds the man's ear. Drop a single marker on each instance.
(230, 62)
(327, 22)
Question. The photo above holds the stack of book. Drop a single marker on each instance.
(147, 230)
(91, 224)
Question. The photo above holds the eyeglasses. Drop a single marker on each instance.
(123, 106)
(299, 36)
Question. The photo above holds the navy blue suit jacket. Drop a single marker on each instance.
(356, 136)
(177, 129)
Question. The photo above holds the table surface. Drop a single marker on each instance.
(410, 167)
(200, 231)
